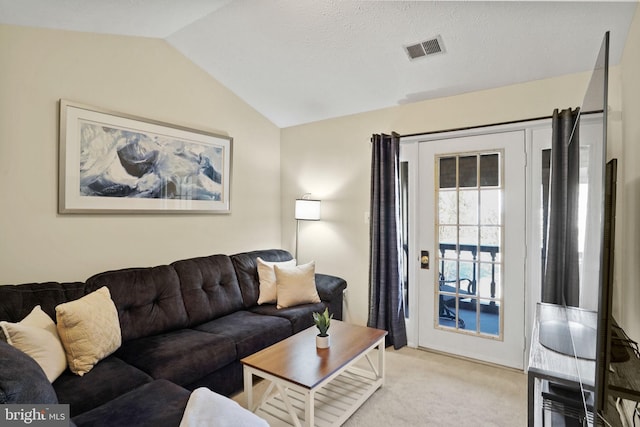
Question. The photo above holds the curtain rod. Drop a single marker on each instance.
(490, 125)
(473, 127)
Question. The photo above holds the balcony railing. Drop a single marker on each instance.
(493, 251)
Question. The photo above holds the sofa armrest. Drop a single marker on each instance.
(330, 289)
(22, 380)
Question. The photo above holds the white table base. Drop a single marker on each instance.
(330, 403)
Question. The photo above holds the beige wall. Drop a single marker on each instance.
(628, 241)
(331, 159)
(143, 77)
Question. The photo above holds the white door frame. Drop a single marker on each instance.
(409, 153)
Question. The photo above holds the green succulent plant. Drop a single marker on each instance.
(322, 321)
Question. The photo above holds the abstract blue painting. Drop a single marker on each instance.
(121, 163)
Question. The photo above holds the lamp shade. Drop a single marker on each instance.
(307, 209)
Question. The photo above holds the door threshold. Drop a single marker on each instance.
(470, 359)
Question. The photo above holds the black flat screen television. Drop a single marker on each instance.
(601, 222)
(605, 315)
(595, 104)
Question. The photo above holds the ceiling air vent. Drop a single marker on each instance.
(426, 48)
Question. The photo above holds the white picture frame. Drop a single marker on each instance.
(118, 163)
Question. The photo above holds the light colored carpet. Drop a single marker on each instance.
(429, 389)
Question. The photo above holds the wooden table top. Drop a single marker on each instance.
(297, 359)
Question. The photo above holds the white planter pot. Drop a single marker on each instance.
(322, 342)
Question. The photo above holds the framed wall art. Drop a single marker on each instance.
(113, 162)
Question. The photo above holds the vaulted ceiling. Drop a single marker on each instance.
(298, 61)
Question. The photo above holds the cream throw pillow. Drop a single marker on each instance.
(206, 408)
(36, 336)
(89, 329)
(296, 285)
(267, 277)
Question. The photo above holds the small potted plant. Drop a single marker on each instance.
(322, 321)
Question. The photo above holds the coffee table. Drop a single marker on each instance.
(316, 387)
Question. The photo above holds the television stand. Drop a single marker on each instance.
(546, 365)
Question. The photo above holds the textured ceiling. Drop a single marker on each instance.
(298, 61)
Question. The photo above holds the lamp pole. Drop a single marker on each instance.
(297, 232)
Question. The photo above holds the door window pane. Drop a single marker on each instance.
(490, 207)
(489, 280)
(490, 236)
(448, 234)
(468, 171)
(448, 271)
(467, 277)
(489, 317)
(468, 309)
(489, 170)
(448, 207)
(448, 312)
(468, 237)
(448, 172)
(468, 207)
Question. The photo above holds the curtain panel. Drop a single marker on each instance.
(561, 283)
(386, 302)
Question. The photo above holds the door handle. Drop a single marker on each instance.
(424, 260)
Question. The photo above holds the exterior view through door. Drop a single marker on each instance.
(470, 234)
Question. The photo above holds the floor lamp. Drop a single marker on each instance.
(307, 209)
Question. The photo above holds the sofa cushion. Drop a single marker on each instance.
(22, 380)
(17, 301)
(226, 381)
(149, 300)
(107, 380)
(89, 330)
(209, 287)
(159, 403)
(36, 335)
(181, 356)
(300, 316)
(249, 331)
(247, 271)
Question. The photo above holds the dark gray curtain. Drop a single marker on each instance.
(561, 279)
(386, 302)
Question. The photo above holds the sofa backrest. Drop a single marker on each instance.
(247, 271)
(17, 301)
(209, 287)
(158, 299)
(149, 300)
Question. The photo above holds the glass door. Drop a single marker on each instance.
(469, 229)
(471, 222)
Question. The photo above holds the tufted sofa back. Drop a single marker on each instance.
(149, 300)
(158, 299)
(17, 301)
(209, 287)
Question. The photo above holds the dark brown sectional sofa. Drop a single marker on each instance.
(183, 325)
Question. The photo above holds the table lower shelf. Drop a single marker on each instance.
(333, 404)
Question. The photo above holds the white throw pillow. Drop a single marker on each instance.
(89, 329)
(36, 335)
(267, 277)
(296, 285)
(206, 408)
